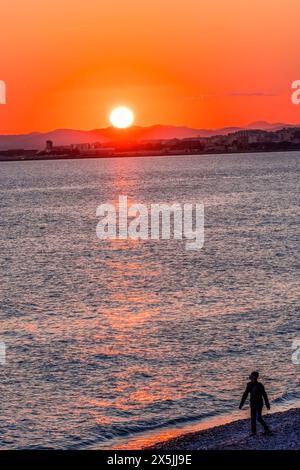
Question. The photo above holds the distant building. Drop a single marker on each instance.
(49, 146)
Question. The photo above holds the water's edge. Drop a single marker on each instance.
(152, 437)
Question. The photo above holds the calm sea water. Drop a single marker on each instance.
(109, 339)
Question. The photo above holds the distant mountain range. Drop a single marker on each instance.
(36, 140)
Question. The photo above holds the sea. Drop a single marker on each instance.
(106, 340)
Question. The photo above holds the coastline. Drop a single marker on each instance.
(163, 437)
(150, 154)
(235, 435)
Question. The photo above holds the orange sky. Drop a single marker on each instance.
(200, 63)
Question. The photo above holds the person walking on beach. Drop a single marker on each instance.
(257, 395)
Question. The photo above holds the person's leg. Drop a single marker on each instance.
(261, 420)
(253, 420)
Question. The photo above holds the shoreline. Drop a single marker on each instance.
(138, 155)
(235, 435)
(163, 436)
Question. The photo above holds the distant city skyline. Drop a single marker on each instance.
(98, 144)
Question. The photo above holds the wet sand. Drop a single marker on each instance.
(285, 435)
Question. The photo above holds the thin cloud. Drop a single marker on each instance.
(251, 93)
(232, 94)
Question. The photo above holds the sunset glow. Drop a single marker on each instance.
(149, 179)
(178, 63)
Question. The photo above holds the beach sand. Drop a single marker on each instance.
(285, 428)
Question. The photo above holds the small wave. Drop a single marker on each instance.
(104, 436)
(287, 398)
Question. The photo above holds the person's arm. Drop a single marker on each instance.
(244, 397)
(264, 394)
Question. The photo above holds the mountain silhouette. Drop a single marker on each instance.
(36, 140)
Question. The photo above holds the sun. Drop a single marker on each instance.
(121, 117)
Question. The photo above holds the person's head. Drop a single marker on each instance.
(254, 376)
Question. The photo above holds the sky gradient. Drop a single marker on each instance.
(204, 64)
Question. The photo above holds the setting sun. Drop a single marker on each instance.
(121, 117)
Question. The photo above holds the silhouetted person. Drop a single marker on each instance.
(257, 395)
